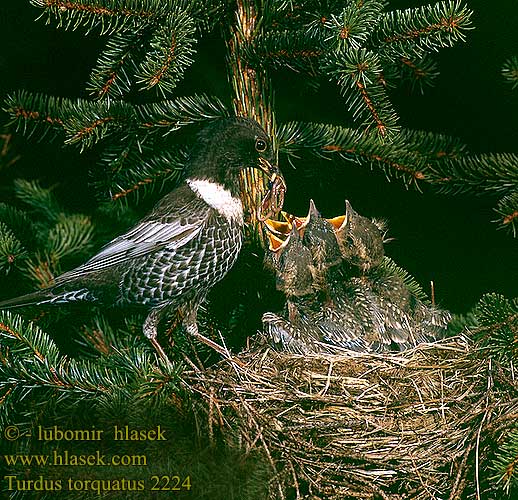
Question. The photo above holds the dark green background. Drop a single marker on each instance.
(447, 239)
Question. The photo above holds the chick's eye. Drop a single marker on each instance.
(260, 145)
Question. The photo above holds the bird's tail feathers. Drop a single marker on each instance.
(48, 296)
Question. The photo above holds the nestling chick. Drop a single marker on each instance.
(292, 262)
(319, 237)
(359, 238)
(370, 304)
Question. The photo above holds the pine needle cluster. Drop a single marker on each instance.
(494, 325)
(364, 48)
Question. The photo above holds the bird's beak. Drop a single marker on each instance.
(274, 198)
(275, 243)
(278, 228)
(339, 223)
(271, 171)
(274, 174)
(302, 222)
(313, 211)
(277, 235)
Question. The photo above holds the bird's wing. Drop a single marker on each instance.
(173, 230)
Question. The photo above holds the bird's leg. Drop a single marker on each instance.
(151, 330)
(191, 327)
(196, 334)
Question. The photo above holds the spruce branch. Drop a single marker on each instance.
(153, 51)
(507, 210)
(144, 171)
(493, 174)
(360, 77)
(297, 50)
(497, 317)
(433, 147)
(412, 155)
(412, 32)
(293, 137)
(167, 116)
(419, 73)
(113, 74)
(31, 359)
(483, 173)
(85, 122)
(33, 371)
(100, 338)
(93, 121)
(41, 200)
(109, 15)
(388, 267)
(12, 251)
(45, 232)
(41, 270)
(510, 71)
(33, 113)
(504, 465)
(19, 222)
(72, 235)
(170, 53)
(353, 25)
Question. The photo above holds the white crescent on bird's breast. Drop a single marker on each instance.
(219, 198)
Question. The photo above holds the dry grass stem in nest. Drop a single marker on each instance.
(410, 425)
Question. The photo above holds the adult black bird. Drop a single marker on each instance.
(190, 240)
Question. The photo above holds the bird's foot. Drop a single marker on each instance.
(159, 350)
(192, 329)
(150, 329)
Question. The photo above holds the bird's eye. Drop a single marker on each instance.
(260, 145)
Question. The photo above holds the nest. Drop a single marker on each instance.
(419, 424)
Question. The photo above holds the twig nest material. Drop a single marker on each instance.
(411, 425)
